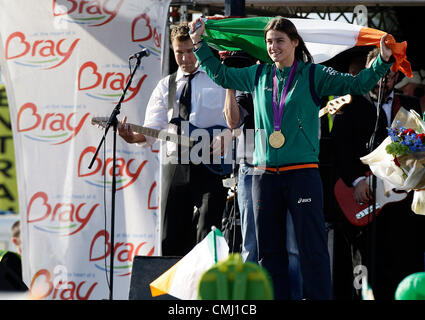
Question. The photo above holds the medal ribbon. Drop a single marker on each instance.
(278, 111)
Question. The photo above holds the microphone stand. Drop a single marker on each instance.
(372, 226)
(234, 187)
(113, 121)
(231, 183)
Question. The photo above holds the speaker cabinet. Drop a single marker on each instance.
(145, 270)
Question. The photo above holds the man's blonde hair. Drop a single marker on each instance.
(372, 56)
(180, 32)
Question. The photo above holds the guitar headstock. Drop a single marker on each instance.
(335, 104)
(100, 121)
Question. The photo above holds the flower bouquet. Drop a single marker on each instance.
(400, 158)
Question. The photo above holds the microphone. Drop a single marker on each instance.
(144, 53)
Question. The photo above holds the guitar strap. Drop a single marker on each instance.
(168, 169)
(396, 106)
(258, 73)
(172, 85)
(313, 92)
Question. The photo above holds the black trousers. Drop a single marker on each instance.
(300, 192)
(189, 186)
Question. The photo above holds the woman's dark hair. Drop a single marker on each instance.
(285, 25)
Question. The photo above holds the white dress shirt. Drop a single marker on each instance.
(206, 109)
(387, 107)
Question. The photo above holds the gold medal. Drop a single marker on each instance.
(277, 139)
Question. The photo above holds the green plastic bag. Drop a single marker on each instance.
(412, 287)
(233, 279)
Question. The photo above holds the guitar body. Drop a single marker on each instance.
(361, 215)
(217, 165)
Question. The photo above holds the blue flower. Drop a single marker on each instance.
(405, 140)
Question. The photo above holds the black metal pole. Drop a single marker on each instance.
(235, 193)
(372, 226)
(234, 8)
(113, 121)
(114, 190)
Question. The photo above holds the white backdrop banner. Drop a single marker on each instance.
(65, 61)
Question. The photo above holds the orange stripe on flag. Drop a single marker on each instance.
(399, 53)
(162, 284)
(369, 36)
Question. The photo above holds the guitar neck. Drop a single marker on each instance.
(334, 105)
(323, 111)
(154, 133)
(162, 135)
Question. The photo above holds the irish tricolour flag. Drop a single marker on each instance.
(324, 39)
(182, 279)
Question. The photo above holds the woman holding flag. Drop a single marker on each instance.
(286, 97)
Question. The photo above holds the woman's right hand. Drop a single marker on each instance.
(196, 35)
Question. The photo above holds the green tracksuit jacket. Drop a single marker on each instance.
(300, 123)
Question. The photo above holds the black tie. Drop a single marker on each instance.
(186, 97)
(388, 99)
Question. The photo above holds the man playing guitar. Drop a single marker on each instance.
(192, 98)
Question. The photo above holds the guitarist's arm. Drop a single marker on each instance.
(125, 131)
(362, 192)
(155, 116)
(231, 109)
(235, 114)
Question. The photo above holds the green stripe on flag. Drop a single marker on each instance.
(239, 34)
(212, 242)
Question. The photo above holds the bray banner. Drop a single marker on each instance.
(63, 63)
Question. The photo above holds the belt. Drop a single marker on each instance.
(287, 168)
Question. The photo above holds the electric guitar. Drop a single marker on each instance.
(361, 214)
(334, 105)
(216, 166)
